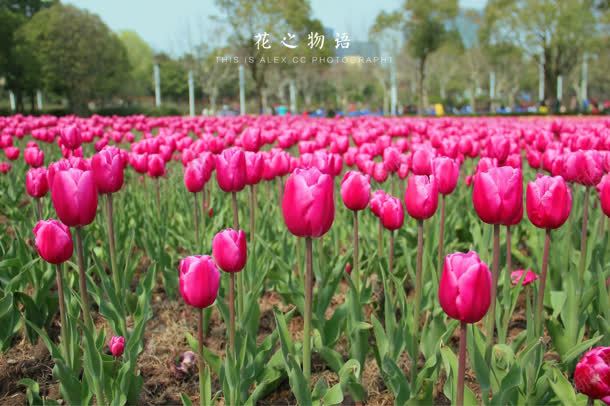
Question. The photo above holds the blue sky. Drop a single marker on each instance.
(174, 26)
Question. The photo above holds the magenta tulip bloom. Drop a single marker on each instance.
(497, 195)
(308, 203)
(355, 190)
(446, 173)
(5, 167)
(592, 374)
(548, 201)
(74, 197)
(392, 214)
(33, 156)
(421, 196)
(199, 281)
(376, 202)
(36, 184)
(194, 176)
(530, 277)
(107, 167)
(251, 139)
(70, 137)
(604, 194)
(229, 250)
(139, 162)
(255, 164)
(584, 167)
(116, 345)
(12, 153)
(421, 163)
(465, 287)
(231, 170)
(53, 241)
(156, 165)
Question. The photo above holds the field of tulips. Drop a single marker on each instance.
(287, 260)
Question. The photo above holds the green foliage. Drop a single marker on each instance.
(140, 57)
(78, 55)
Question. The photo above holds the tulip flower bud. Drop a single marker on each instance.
(446, 173)
(376, 202)
(199, 281)
(74, 197)
(465, 287)
(497, 195)
(107, 168)
(348, 268)
(36, 182)
(254, 167)
(70, 137)
(355, 190)
(421, 196)
(33, 156)
(548, 201)
(231, 170)
(584, 167)
(53, 241)
(592, 374)
(392, 214)
(530, 277)
(5, 167)
(229, 250)
(308, 203)
(194, 176)
(421, 162)
(156, 165)
(116, 345)
(604, 194)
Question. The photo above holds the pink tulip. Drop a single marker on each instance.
(497, 195)
(229, 250)
(421, 196)
(194, 176)
(199, 281)
(376, 202)
(421, 162)
(70, 137)
(116, 345)
(446, 173)
(530, 277)
(156, 166)
(548, 201)
(355, 190)
(465, 287)
(53, 241)
(107, 167)
(231, 170)
(584, 167)
(5, 167)
(36, 182)
(34, 157)
(74, 197)
(604, 194)
(592, 374)
(12, 153)
(308, 203)
(392, 214)
(254, 167)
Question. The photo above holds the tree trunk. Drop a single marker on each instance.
(421, 78)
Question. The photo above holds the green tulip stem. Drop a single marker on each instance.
(240, 279)
(252, 216)
(380, 239)
(391, 254)
(196, 220)
(62, 313)
(491, 316)
(417, 301)
(82, 278)
(307, 315)
(461, 365)
(441, 240)
(543, 274)
(39, 208)
(202, 397)
(583, 239)
(356, 269)
(232, 312)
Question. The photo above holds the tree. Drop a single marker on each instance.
(274, 17)
(556, 34)
(17, 63)
(425, 23)
(140, 57)
(174, 77)
(79, 56)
